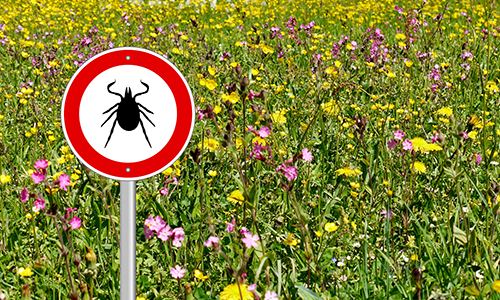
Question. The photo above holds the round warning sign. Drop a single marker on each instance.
(128, 113)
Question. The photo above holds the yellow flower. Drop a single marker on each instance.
(140, 298)
(408, 63)
(266, 49)
(330, 108)
(445, 111)
(255, 72)
(331, 227)
(4, 178)
(211, 71)
(472, 134)
(217, 109)
(354, 226)
(290, 241)
(212, 173)
(338, 64)
(209, 83)
(233, 97)
(232, 292)
(346, 171)
(209, 144)
(25, 272)
(259, 140)
(354, 194)
(390, 74)
(496, 286)
(198, 274)
(355, 185)
(318, 233)
(279, 118)
(419, 144)
(168, 171)
(236, 197)
(400, 36)
(419, 167)
(414, 257)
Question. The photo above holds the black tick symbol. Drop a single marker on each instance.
(128, 113)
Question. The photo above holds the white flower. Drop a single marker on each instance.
(405, 258)
(465, 209)
(348, 257)
(356, 245)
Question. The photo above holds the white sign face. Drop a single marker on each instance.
(130, 130)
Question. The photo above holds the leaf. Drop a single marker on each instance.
(471, 290)
(460, 235)
(306, 293)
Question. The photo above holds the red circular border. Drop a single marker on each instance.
(115, 169)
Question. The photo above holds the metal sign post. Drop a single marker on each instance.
(128, 114)
(128, 240)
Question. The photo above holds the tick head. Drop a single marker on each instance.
(128, 94)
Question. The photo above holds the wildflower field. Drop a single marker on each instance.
(342, 150)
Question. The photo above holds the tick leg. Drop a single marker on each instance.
(111, 108)
(145, 134)
(111, 133)
(147, 117)
(146, 109)
(109, 117)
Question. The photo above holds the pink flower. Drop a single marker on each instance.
(24, 195)
(434, 137)
(407, 145)
(252, 287)
(155, 224)
(398, 135)
(384, 213)
(75, 223)
(164, 191)
(464, 135)
(289, 171)
(39, 204)
(250, 240)
(177, 272)
(41, 164)
(148, 233)
(244, 230)
(479, 158)
(64, 182)
(307, 155)
(391, 144)
(264, 132)
(165, 233)
(38, 176)
(271, 295)
(212, 241)
(178, 237)
(71, 210)
(230, 226)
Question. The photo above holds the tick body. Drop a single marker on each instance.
(128, 112)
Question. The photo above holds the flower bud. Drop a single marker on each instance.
(26, 292)
(244, 82)
(91, 259)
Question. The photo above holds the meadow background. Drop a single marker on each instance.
(342, 150)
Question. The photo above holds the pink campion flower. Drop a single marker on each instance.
(264, 132)
(39, 204)
(252, 287)
(407, 145)
(164, 191)
(38, 176)
(212, 241)
(165, 233)
(178, 234)
(478, 157)
(64, 181)
(148, 233)
(24, 195)
(250, 240)
(387, 215)
(271, 295)
(230, 226)
(465, 135)
(155, 224)
(398, 135)
(435, 137)
(290, 172)
(244, 230)
(307, 155)
(41, 164)
(178, 272)
(71, 210)
(391, 144)
(75, 223)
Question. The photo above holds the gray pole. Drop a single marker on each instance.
(127, 239)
